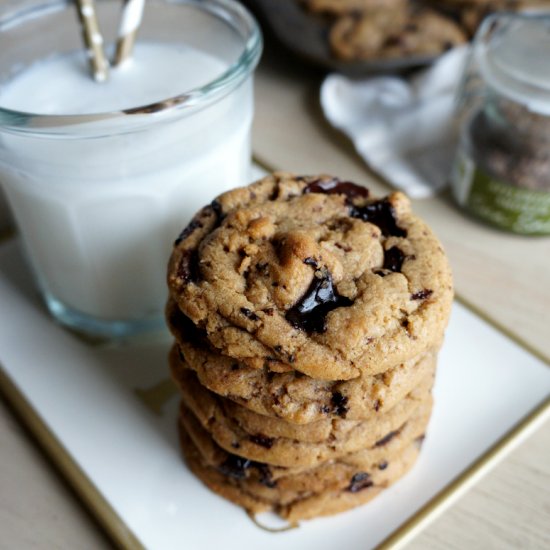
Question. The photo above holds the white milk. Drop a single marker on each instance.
(99, 215)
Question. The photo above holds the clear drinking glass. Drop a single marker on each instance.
(99, 197)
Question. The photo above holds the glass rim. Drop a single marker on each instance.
(29, 123)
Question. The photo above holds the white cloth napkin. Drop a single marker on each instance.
(402, 128)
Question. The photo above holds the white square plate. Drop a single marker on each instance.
(97, 402)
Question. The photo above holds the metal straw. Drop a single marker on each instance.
(132, 13)
(93, 39)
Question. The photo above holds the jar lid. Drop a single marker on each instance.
(513, 52)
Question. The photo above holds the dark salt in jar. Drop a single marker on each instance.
(502, 168)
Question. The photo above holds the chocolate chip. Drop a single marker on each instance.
(386, 439)
(249, 314)
(217, 208)
(194, 224)
(269, 311)
(186, 329)
(278, 348)
(262, 267)
(377, 405)
(359, 482)
(214, 207)
(235, 366)
(312, 262)
(291, 358)
(274, 195)
(235, 466)
(393, 41)
(262, 440)
(265, 475)
(336, 187)
(325, 409)
(339, 403)
(310, 312)
(393, 259)
(380, 213)
(343, 247)
(422, 294)
(383, 465)
(188, 269)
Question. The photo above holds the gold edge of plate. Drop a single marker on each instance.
(443, 500)
(92, 498)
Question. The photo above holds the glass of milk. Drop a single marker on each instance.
(102, 177)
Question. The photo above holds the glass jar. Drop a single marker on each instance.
(501, 171)
(100, 191)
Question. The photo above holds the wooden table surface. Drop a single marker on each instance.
(504, 277)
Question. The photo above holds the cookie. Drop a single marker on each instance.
(380, 35)
(359, 488)
(296, 397)
(288, 445)
(314, 273)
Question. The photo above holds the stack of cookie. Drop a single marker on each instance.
(307, 317)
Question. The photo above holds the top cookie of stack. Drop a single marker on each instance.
(311, 274)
